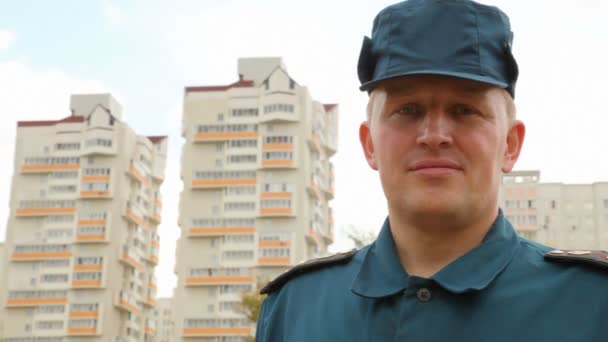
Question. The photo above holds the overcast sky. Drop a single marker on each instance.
(145, 52)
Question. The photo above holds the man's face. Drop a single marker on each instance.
(440, 145)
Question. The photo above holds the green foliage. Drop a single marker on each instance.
(251, 304)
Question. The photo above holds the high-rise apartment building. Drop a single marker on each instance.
(569, 216)
(81, 243)
(257, 183)
(165, 329)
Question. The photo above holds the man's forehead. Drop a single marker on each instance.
(410, 85)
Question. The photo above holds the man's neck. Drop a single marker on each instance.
(425, 247)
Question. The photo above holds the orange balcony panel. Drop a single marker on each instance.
(82, 331)
(45, 211)
(49, 167)
(83, 314)
(86, 283)
(224, 136)
(154, 259)
(216, 331)
(277, 147)
(88, 268)
(138, 175)
(132, 262)
(129, 307)
(95, 178)
(92, 222)
(314, 190)
(218, 280)
(152, 286)
(276, 211)
(157, 202)
(90, 238)
(276, 194)
(95, 194)
(278, 163)
(274, 243)
(150, 301)
(273, 261)
(220, 231)
(223, 182)
(155, 217)
(155, 243)
(150, 331)
(35, 301)
(136, 219)
(40, 256)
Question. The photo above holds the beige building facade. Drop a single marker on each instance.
(257, 183)
(568, 216)
(81, 244)
(163, 314)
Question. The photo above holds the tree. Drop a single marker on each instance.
(251, 304)
(359, 236)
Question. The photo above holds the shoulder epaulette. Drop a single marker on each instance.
(305, 267)
(597, 258)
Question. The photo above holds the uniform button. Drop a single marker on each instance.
(423, 294)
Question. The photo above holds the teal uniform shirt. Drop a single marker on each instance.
(502, 290)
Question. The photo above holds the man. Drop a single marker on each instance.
(447, 265)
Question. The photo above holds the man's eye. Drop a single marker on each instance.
(463, 110)
(409, 109)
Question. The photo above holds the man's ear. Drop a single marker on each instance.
(365, 137)
(515, 140)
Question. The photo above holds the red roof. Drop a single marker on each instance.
(238, 84)
(69, 119)
(157, 138)
(329, 106)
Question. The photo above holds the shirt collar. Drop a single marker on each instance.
(381, 273)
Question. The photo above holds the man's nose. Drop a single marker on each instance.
(435, 130)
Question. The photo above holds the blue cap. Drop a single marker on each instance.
(458, 38)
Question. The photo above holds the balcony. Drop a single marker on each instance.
(129, 257)
(91, 233)
(155, 216)
(35, 298)
(212, 277)
(276, 206)
(315, 144)
(138, 173)
(82, 331)
(313, 237)
(215, 327)
(150, 327)
(83, 319)
(87, 276)
(126, 302)
(92, 194)
(134, 215)
(41, 252)
(50, 164)
(220, 179)
(279, 107)
(45, 207)
(95, 187)
(278, 160)
(219, 231)
(274, 261)
(98, 143)
(222, 132)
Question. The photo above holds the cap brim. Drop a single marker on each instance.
(368, 86)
